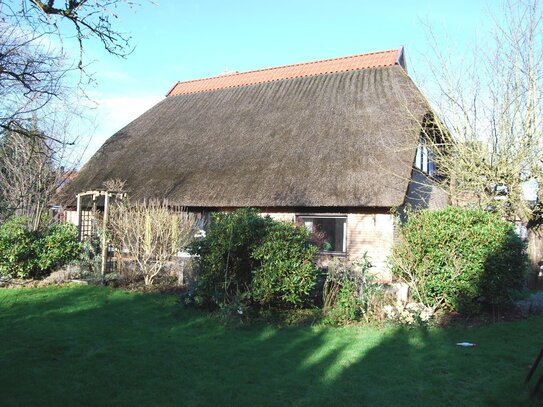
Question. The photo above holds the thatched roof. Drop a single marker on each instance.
(334, 139)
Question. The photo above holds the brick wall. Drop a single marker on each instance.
(374, 234)
(424, 193)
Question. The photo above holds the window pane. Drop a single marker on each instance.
(418, 158)
(329, 232)
(424, 159)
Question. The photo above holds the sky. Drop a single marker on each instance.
(184, 40)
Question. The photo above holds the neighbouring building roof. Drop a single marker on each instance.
(339, 132)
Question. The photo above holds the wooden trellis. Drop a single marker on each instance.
(87, 218)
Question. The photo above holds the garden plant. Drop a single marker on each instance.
(460, 259)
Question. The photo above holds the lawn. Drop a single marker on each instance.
(92, 346)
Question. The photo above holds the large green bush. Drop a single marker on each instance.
(25, 253)
(223, 256)
(247, 259)
(459, 259)
(287, 273)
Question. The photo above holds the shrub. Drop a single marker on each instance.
(286, 274)
(350, 290)
(347, 306)
(58, 246)
(223, 256)
(246, 259)
(26, 254)
(409, 314)
(17, 248)
(151, 233)
(459, 258)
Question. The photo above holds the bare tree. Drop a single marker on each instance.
(31, 77)
(81, 19)
(89, 18)
(115, 184)
(40, 95)
(30, 174)
(150, 234)
(33, 65)
(490, 105)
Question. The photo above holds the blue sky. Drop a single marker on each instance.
(184, 40)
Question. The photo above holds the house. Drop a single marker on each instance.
(334, 144)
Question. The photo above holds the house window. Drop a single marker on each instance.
(424, 159)
(329, 232)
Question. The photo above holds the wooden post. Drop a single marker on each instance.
(93, 217)
(79, 216)
(104, 238)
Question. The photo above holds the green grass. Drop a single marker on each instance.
(92, 346)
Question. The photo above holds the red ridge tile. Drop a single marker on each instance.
(342, 64)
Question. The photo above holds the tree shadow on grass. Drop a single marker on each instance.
(92, 346)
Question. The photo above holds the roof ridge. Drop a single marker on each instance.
(398, 51)
(290, 65)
